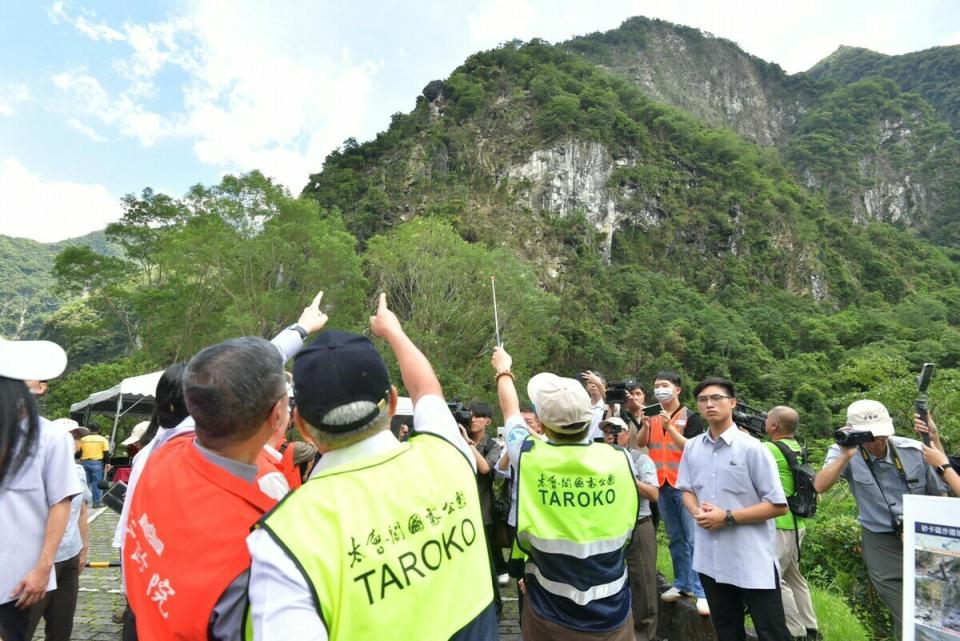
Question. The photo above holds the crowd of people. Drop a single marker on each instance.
(364, 527)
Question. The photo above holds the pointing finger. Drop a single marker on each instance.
(317, 299)
(382, 306)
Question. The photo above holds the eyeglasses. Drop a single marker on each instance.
(712, 398)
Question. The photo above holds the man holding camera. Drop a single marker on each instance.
(665, 436)
(880, 468)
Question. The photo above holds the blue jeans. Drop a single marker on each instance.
(94, 470)
(680, 529)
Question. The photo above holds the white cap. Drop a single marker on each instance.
(31, 360)
(614, 420)
(869, 416)
(70, 426)
(560, 402)
(137, 432)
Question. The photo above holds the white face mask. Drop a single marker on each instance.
(663, 393)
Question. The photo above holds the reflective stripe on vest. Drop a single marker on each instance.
(663, 451)
(392, 545)
(574, 548)
(576, 509)
(580, 597)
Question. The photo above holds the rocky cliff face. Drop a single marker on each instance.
(570, 177)
(888, 179)
(709, 77)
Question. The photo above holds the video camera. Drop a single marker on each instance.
(847, 437)
(751, 419)
(618, 392)
(461, 413)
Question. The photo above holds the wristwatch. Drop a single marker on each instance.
(296, 327)
(729, 520)
(942, 469)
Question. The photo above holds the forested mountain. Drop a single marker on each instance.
(933, 73)
(875, 152)
(27, 292)
(652, 197)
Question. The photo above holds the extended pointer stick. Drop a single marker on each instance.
(496, 318)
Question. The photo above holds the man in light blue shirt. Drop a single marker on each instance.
(732, 488)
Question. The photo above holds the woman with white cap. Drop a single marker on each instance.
(37, 482)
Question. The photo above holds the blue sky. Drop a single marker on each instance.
(101, 99)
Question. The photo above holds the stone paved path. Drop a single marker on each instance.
(100, 595)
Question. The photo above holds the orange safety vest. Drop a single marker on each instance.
(186, 540)
(661, 448)
(267, 464)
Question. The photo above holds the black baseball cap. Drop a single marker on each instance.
(336, 369)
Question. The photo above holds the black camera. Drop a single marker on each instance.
(896, 522)
(618, 392)
(750, 419)
(461, 413)
(652, 410)
(846, 437)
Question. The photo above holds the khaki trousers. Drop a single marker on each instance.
(797, 606)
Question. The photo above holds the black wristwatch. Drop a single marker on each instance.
(729, 520)
(942, 469)
(296, 327)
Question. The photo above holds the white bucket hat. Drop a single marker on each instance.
(31, 360)
(869, 416)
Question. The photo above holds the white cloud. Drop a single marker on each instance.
(11, 96)
(51, 210)
(85, 96)
(251, 99)
(86, 130)
(501, 21)
(949, 41)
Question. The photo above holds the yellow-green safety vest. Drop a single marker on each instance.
(392, 545)
(576, 509)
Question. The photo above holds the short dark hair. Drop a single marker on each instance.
(480, 409)
(632, 384)
(719, 382)
(527, 409)
(669, 376)
(93, 427)
(230, 387)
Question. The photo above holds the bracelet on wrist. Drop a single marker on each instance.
(497, 376)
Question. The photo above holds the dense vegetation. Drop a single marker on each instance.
(933, 73)
(721, 262)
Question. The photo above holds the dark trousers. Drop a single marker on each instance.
(13, 622)
(726, 611)
(496, 552)
(58, 606)
(883, 554)
(497, 601)
(642, 565)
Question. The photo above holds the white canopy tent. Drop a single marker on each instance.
(133, 396)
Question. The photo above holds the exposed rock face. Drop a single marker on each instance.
(571, 177)
(709, 77)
